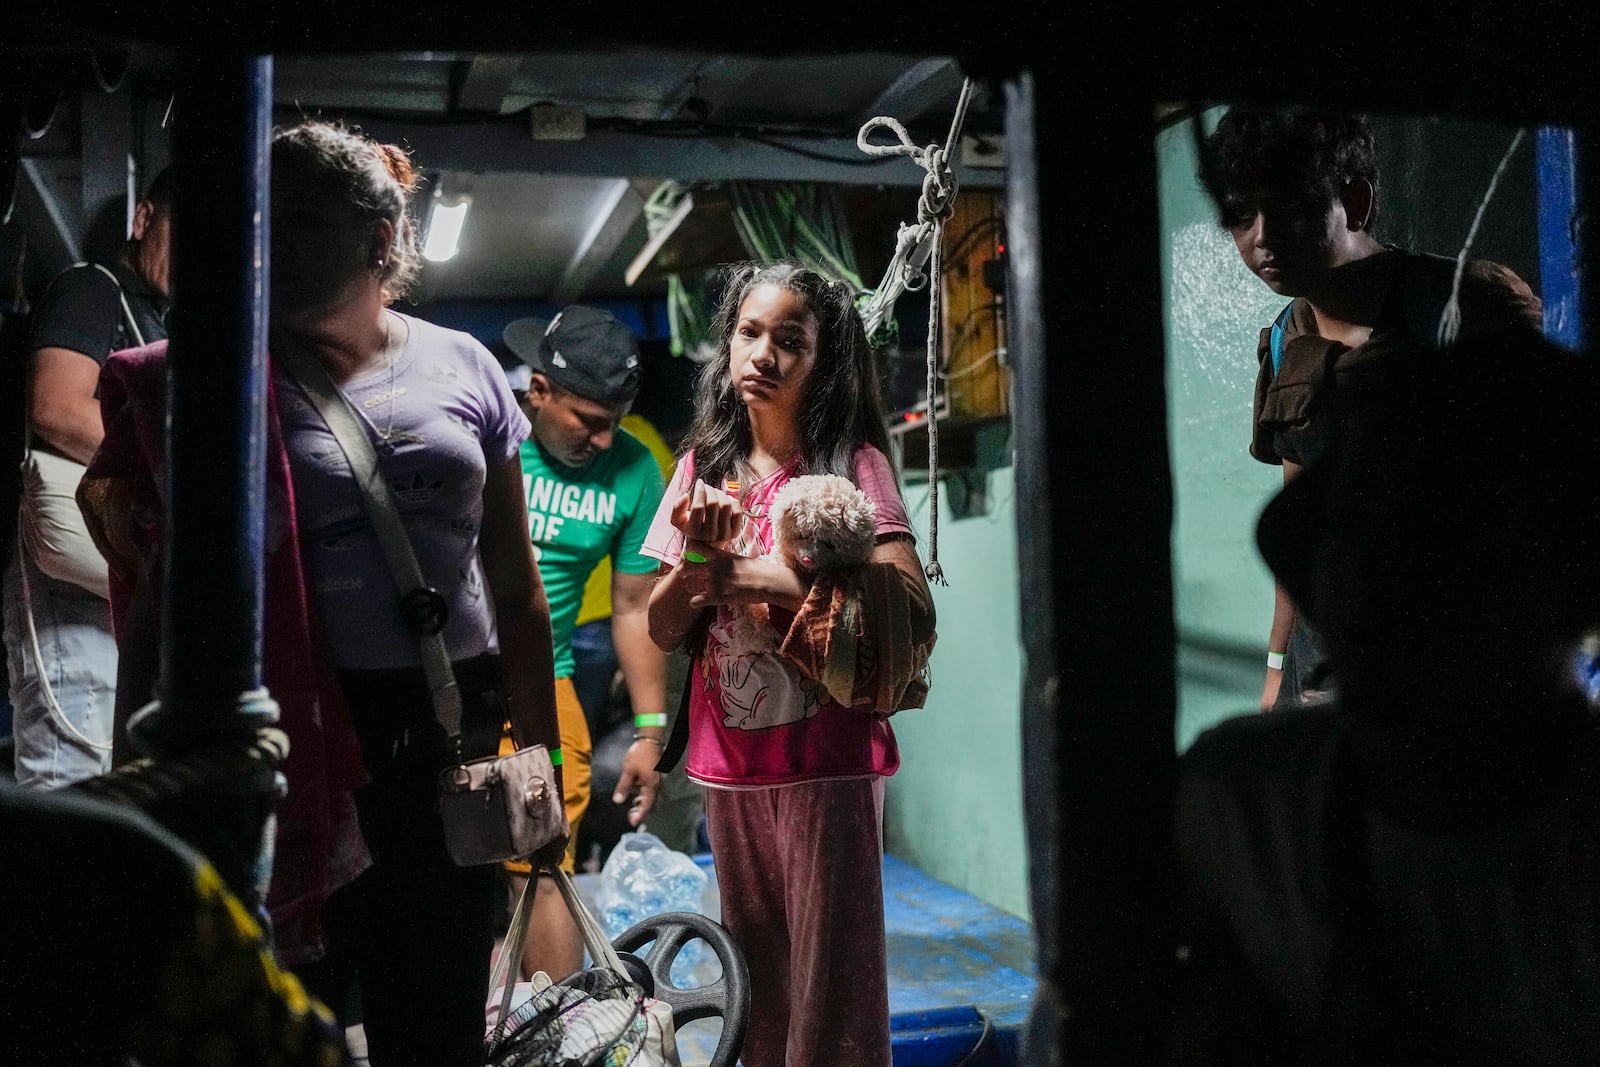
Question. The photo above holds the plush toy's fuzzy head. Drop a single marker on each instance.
(823, 522)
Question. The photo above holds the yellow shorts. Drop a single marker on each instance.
(576, 750)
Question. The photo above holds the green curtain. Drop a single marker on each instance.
(688, 296)
(798, 222)
(795, 222)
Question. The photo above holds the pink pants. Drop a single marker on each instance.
(801, 874)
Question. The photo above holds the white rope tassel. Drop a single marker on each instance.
(913, 247)
(1450, 319)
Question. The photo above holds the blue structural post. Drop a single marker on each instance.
(1559, 267)
(211, 630)
(212, 715)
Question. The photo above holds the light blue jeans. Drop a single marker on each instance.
(78, 656)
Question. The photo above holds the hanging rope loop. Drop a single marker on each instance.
(905, 147)
(938, 185)
(914, 246)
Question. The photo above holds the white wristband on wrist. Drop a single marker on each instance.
(1275, 661)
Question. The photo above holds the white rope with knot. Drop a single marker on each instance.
(914, 246)
(1450, 318)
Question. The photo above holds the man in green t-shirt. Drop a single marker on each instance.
(592, 492)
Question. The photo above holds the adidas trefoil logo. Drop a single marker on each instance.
(418, 490)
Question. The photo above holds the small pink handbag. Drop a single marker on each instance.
(501, 807)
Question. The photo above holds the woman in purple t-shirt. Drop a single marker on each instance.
(795, 768)
(415, 929)
(411, 926)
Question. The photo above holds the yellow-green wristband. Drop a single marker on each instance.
(657, 719)
(555, 757)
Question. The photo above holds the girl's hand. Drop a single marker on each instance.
(707, 514)
(728, 578)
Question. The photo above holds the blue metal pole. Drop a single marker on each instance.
(214, 775)
(1559, 266)
(210, 687)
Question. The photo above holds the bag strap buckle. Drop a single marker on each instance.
(425, 611)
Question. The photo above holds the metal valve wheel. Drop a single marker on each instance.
(728, 998)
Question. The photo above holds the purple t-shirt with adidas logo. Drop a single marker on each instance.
(440, 418)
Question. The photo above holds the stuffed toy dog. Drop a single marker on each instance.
(820, 522)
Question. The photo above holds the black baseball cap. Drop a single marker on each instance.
(584, 350)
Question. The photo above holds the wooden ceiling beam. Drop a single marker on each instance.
(704, 92)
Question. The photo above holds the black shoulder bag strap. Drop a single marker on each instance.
(423, 607)
(678, 735)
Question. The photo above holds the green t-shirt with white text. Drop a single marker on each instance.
(579, 517)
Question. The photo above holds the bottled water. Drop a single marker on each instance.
(643, 878)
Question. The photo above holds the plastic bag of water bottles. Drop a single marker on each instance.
(643, 877)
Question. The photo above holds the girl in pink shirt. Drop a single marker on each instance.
(795, 768)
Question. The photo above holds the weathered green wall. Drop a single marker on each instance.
(955, 808)
(1215, 309)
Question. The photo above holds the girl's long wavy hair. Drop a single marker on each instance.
(842, 408)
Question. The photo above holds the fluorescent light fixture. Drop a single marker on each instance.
(444, 229)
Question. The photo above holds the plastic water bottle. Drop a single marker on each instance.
(643, 878)
(617, 916)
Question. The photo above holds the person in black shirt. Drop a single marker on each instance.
(1297, 190)
(61, 654)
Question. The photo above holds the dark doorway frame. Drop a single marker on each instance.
(1094, 500)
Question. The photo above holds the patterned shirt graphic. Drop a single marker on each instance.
(441, 416)
(579, 517)
(754, 719)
